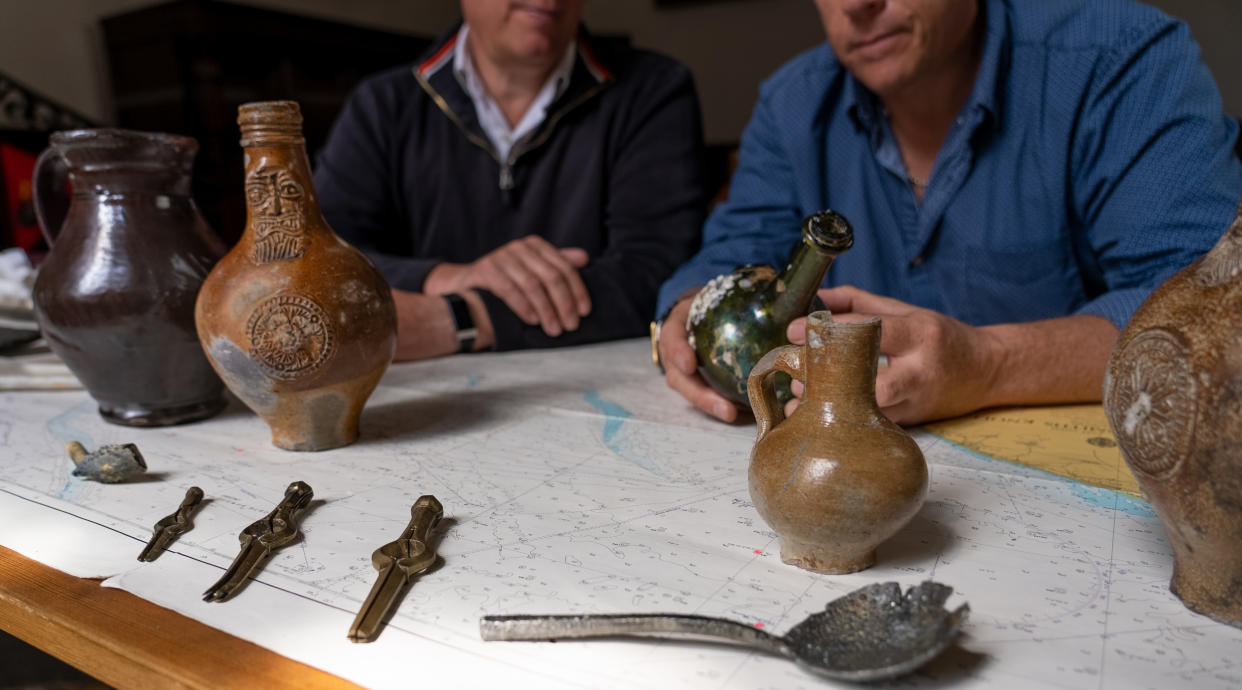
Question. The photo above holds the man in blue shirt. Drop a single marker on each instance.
(1020, 175)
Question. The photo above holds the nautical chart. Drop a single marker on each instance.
(1072, 441)
(574, 481)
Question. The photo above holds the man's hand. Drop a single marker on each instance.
(681, 366)
(538, 281)
(939, 367)
(425, 325)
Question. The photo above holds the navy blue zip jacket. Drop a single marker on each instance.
(409, 177)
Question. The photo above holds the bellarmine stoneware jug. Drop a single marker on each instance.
(1173, 395)
(836, 478)
(298, 323)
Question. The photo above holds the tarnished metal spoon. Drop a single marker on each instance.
(871, 633)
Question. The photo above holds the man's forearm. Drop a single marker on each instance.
(1054, 361)
(442, 279)
(425, 326)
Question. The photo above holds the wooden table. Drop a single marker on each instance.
(131, 643)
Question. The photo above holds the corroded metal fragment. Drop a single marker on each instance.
(108, 464)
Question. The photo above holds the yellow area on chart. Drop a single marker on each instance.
(1071, 441)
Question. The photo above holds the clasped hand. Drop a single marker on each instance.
(536, 280)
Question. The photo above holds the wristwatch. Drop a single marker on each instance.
(658, 324)
(462, 322)
(655, 345)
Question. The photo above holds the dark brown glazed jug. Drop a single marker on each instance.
(115, 296)
(297, 321)
(837, 477)
(1173, 395)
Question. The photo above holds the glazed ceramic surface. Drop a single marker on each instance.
(115, 297)
(836, 478)
(298, 323)
(738, 317)
(1173, 394)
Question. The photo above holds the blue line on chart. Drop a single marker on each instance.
(1107, 498)
(615, 416)
(1095, 495)
(61, 427)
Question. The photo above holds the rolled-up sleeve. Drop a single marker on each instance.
(1154, 178)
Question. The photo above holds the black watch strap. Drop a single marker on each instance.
(462, 322)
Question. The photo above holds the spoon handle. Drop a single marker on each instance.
(636, 625)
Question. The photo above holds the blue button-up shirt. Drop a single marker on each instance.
(1091, 161)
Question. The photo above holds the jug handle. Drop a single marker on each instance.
(51, 202)
(761, 387)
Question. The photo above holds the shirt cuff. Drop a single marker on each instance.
(403, 273)
(673, 289)
(1117, 305)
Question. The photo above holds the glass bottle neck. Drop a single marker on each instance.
(795, 286)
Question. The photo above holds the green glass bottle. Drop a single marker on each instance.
(739, 317)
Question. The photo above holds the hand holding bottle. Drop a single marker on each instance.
(681, 366)
(714, 337)
(939, 367)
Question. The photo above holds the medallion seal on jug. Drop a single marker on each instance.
(1156, 400)
(289, 336)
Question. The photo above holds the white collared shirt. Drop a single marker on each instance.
(491, 118)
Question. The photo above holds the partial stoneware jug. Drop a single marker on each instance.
(1173, 394)
(115, 296)
(297, 322)
(836, 478)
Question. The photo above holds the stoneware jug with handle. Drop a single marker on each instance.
(115, 296)
(836, 478)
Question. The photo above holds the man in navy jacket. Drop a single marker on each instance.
(523, 185)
